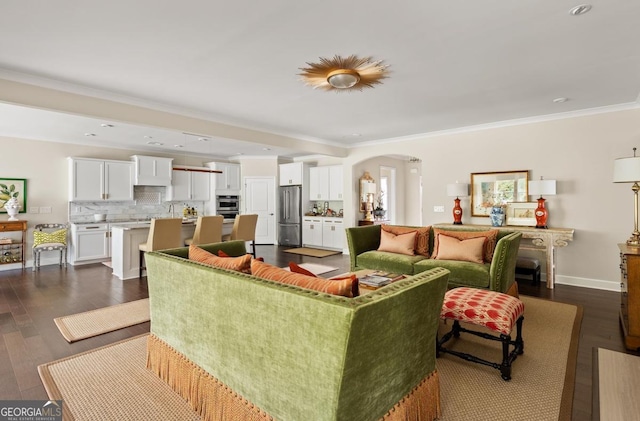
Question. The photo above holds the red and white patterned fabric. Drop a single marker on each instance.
(495, 310)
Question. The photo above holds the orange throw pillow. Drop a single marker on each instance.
(491, 238)
(239, 264)
(421, 245)
(295, 268)
(355, 286)
(469, 250)
(273, 273)
(402, 244)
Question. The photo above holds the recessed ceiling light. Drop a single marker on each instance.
(356, 134)
(106, 125)
(560, 100)
(155, 143)
(266, 149)
(148, 137)
(239, 153)
(203, 139)
(178, 146)
(580, 10)
(89, 134)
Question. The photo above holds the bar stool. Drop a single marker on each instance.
(165, 233)
(208, 230)
(244, 228)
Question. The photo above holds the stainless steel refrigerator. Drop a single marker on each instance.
(290, 216)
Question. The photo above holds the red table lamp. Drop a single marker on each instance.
(542, 187)
(457, 190)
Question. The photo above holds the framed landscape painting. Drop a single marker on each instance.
(13, 187)
(497, 188)
(522, 214)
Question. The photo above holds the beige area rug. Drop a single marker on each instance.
(618, 385)
(541, 387)
(112, 383)
(542, 379)
(315, 268)
(307, 251)
(103, 320)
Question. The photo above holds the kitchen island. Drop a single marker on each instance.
(126, 238)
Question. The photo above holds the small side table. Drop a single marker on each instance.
(8, 226)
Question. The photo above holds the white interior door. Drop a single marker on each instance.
(260, 198)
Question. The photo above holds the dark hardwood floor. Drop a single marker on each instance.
(29, 301)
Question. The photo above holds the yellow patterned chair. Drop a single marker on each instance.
(49, 237)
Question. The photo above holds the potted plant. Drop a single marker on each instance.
(379, 211)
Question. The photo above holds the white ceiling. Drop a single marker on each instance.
(453, 64)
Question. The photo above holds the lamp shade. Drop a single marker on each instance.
(542, 187)
(457, 190)
(626, 170)
(370, 188)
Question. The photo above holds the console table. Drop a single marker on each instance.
(545, 240)
(8, 255)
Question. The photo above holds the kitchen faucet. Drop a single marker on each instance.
(171, 209)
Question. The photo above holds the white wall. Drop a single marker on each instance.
(578, 152)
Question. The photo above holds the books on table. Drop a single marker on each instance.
(379, 279)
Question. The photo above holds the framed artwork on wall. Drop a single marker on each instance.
(522, 214)
(13, 187)
(489, 189)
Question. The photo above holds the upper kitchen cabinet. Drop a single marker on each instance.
(152, 170)
(190, 183)
(326, 183)
(292, 174)
(97, 179)
(227, 182)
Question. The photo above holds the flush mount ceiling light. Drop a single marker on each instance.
(344, 74)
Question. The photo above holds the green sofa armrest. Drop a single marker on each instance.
(232, 248)
(503, 265)
(361, 239)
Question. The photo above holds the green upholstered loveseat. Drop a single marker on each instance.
(499, 275)
(229, 342)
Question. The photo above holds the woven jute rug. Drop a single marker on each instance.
(542, 379)
(112, 382)
(307, 251)
(103, 320)
(618, 381)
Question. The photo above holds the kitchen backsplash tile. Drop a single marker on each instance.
(149, 202)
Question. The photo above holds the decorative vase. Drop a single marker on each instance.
(497, 216)
(13, 208)
(379, 213)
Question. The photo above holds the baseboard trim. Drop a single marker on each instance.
(587, 283)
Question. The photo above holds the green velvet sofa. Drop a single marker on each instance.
(499, 275)
(239, 347)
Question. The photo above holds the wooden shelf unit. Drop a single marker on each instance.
(630, 295)
(13, 252)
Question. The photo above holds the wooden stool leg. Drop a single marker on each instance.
(519, 341)
(141, 267)
(505, 367)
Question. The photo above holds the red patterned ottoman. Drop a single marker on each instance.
(494, 310)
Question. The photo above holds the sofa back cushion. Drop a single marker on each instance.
(400, 243)
(469, 250)
(239, 264)
(490, 236)
(273, 273)
(421, 245)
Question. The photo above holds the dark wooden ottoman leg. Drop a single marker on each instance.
(505, 367)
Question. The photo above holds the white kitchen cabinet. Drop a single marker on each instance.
(336, 182)
(333, 235)
(152, 170)
(292, 174)
(312, 231)
(190, 185)
(326, 183)
(89, 243)
(229, 182)
(319, 183)
(96, 180)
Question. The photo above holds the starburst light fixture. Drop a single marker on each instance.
(344, 74)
